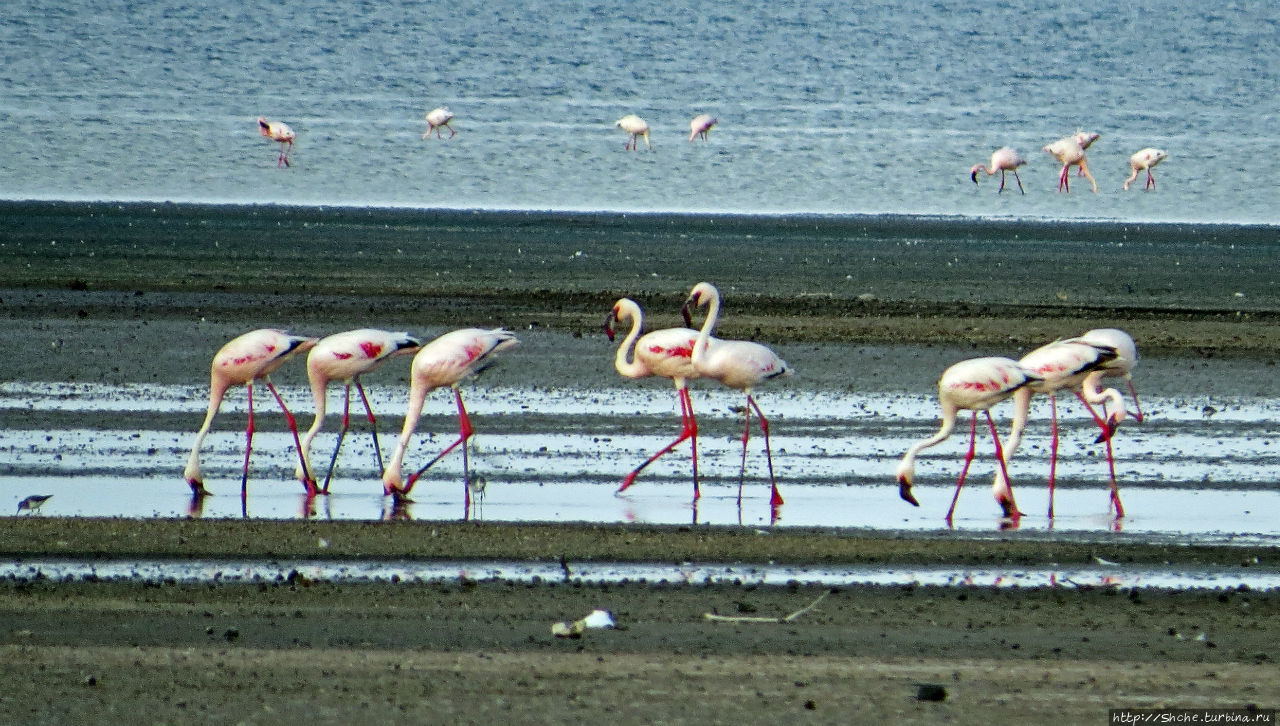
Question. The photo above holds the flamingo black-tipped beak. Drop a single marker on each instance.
(197, 488)
(974, 177)
(1112, 425)
(904, 491)
(1009, 508)
(608, 326)
(684, 310)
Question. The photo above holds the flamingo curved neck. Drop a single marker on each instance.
(704, 333)
(625, 360)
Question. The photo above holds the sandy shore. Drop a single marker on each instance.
(140, 293)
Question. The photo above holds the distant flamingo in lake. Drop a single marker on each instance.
(635, 128)
(1085, 139)
(973, 385)
(345, 357)
(1062, 364)
(737, 364)
(1144, 160)
(700, 125)
(438, 118)
(278, 131)
(445, 361)
(1002, 160)
(667, 353)
(249, 357)
(1069, 153)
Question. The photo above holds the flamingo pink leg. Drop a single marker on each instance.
(464, 433)
(968, 459)
(293, 429)
(1134, 392)
(1106, 435)
(775, 498)
(1053, 449)
(373, 423)
(689, 430)
(248, 446)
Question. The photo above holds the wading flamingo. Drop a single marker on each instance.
(1085, 139)
(445, 361)
(737, 364)
(973, 385)
(252, 356)
(700, 125)
(635, 128)
(1069, 153)
(1122, 367)
(1144, 161)
(667, 353)
(278, 131)
(1002, 160)
(1062, 364)
(438, 118)
(345, 357)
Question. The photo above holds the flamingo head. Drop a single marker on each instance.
(701, 294)
(904, 489)
(1010, 510)
(973, 173)
(264, 128)
(608, 324)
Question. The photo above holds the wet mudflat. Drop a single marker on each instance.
(121, 327)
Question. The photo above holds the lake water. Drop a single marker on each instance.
(825, 106)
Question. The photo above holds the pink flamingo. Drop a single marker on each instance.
(700, 125)
(1069, 153)
(278, 131)
(973, 385)
(1085, 139)
(1002, 160)
(1062, 364)
(249, 357)
(438, 118)
(1121, 367)
(345, 357)
(667, 353)
(737, 364)
(1144, 161)
(445, 361)
(635, 128)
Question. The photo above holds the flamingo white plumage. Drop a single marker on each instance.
(1062, 364)
(635, 128)
(438, 118)
(280, 132)
(667, 353)
(345, 357)
(700, 125)
(1069, 153)
(249, 357)
(1145, 160)
(445, 361)
(1002, 160)
(973, 385)
(737, 364)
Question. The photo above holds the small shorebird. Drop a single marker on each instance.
(1144, 161)
(700, 125)
(635, 128)
(278, 131)
(667, 353)
(33, 502)
(437, 118)
(1002, 160)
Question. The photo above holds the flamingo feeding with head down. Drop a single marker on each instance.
(345, 357)
(667, 353)
(1062, 364)
(249, 357)
(1121, 367)
(635, 128)
(700, 125)
(1069, 153)
(1144, 160)
(438, 118)
(973, 385)
(445, 361)
(737, 364)
(1002, 160)
(280, 132)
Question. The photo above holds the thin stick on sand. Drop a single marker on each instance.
(754, 619)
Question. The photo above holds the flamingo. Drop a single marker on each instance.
(635, 128)
(437, 118)
(249, 357)
(345, 357)
(1085, 139)
(1002, 160)
(445, 361)
(973, 385)
(1143, 161)
(1062, 364)
(737, 364)
(1122, 367)
(667, 353)
(700, 125)
(1069, 152)
(278, 131)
